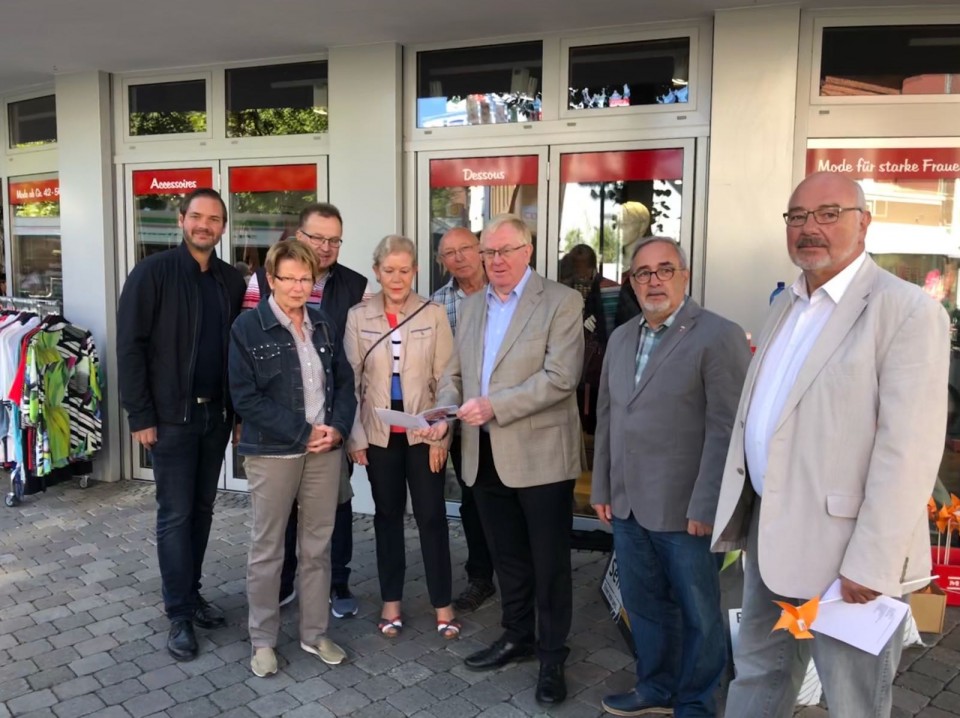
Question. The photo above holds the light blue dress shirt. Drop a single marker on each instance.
(499, 314)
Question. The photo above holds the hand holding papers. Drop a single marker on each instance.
(416, 422)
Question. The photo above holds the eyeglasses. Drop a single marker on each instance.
(460, 252)
(643, 276)
(302, 281)
(316, 239)
(490, 254)
(822, 215)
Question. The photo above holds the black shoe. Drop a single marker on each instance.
(181, 641)
(207, 615)
(498, 654)
(473, 596)
(551, 686)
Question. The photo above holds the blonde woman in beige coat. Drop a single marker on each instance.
(398, 344)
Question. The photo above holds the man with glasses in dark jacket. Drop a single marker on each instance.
(173, 327)
(337, 289)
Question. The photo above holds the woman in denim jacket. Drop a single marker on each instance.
(294, 391)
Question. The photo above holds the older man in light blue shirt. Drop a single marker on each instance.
(499, 314)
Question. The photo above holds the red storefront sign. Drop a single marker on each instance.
(615, 166)
(37, 191)
(179, 181)
(486, 171)
(888, 163)
(274, 178)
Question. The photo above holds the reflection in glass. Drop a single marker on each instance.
(33, 122)
(168, 108)
(155, 225)
(277, 100)
(653, 72)
(890, 60)
(487, 85)
(37, 265)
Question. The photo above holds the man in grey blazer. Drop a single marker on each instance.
(668, 396)
(515, 368)
(834, 453)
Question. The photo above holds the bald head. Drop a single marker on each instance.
(459, 254)
(836, 184)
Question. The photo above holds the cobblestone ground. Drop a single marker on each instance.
(82, 631)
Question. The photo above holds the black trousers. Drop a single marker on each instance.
(391, 471)
(528, 531)
(479, 564)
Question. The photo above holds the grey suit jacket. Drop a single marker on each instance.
(535, 433)
(854, 454)
(659, 447)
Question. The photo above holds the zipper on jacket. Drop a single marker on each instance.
(193, 353)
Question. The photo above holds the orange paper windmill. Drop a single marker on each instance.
(798, 619)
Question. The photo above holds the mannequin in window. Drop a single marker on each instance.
(634, 226)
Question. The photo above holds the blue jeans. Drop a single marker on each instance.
(670, 588)
(186, 469)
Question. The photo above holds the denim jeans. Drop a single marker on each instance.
(186, 468)
(670, 587)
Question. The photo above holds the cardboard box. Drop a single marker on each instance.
(929, 605)
(949, 574)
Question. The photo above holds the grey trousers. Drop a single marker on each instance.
(770, 666)
(314, 481)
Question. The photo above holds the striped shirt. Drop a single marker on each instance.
(449, 297)
(396, 391)
(649, 339)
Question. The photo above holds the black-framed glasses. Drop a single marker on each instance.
(490, 254)
(643, 276)
(821, 215)
(318, 239)
(459, 251)
(302, 281)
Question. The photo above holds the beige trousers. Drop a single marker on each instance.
(313, 480)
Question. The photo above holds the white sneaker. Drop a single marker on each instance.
(328, 651)
(264, 662)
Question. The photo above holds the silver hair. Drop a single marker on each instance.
(391, 244)
(511, 220)
(682, 255)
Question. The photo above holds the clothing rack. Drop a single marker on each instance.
(41, 307)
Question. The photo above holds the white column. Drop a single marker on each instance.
(755, 54)
(87, 234)
(365, 163)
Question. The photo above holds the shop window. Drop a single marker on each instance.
(35, 208)
(890, 60)
(277, 100)
(168, 108)
(488, 85)
(649, 72)
(33, 122)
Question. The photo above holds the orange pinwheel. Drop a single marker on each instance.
(798, 619)
(931, 509)
(943, 518)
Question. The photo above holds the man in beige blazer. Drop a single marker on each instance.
(515, 368)
(834, 454)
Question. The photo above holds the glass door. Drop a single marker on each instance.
(603, 199)
(264, 198)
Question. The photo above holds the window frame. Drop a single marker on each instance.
(6, 129)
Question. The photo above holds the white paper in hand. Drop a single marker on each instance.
(867, 626)
(423, 420)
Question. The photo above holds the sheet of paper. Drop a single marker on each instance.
(399, 418)
(432, 416)
(867, 626)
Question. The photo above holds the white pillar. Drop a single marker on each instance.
(87, 238)
(365, 164)
(755, 54)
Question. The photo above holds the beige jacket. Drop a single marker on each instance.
(854, 455)
(427, 343)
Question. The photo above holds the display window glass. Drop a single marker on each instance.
(488, 85)
(32, 122)
(35, 235)
(167, 108)
(274, 100)
(884, 60)
(156, 206)
(648, 72)
(470, 191)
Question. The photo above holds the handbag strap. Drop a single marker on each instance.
(363, 362)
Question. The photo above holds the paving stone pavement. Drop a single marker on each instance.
(82, 631)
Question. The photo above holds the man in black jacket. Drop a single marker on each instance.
(173, 327)
(337, 289)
